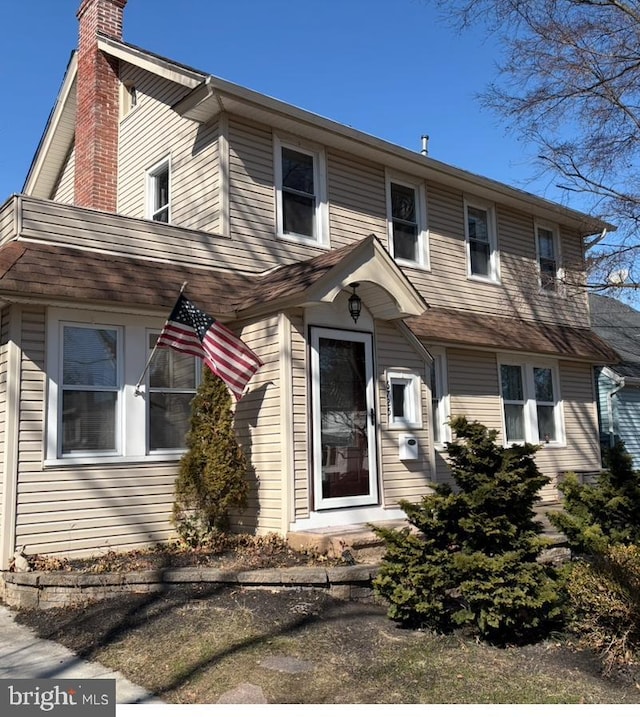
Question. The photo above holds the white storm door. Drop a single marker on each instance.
(343, 411)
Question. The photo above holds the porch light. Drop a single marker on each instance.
(355, 303)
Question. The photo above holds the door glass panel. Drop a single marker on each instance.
(343, 418)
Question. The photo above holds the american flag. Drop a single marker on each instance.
(191, 331)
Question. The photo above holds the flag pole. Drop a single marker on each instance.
(137, 391)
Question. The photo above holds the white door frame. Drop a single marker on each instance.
(371, 498)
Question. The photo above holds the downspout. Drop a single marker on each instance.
(610, 395)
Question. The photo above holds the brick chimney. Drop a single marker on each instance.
(97, 114)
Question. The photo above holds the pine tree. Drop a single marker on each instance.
(471, 557)
(604, 513)
(212, 477)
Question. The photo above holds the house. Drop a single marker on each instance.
(618, 384)
(150, 174)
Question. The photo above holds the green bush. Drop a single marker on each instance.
(471, 557)
(604, 513)
(212, 478)
(604, 595)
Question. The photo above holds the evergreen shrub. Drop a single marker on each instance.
(604, 513)
(470, 558)
(212, 478)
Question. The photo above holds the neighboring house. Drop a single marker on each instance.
(150, 174)
(618, 384)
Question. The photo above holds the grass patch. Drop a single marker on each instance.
(192, 646)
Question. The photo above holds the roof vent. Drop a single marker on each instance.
(425, 145)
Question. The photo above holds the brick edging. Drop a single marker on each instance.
(43, 590)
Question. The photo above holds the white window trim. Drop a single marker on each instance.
(151, 175)
(530, 414)
(413, 404)
(557, 255)
(131, 442)
(423, 252)
(494, 255)
(441, 393)
(321, 227)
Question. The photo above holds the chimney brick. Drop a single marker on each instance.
(97, 113)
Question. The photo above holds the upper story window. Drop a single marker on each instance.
(301, 195)
(129, 98)
(547, 252)
(406, 212)
(159, 192)
(93, 410)
(481, 239)
(531, 402)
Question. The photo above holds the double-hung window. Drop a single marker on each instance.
(531, 402)
(481, 240)
(547, 255)
(172, 382)
(89, 397)
(439, 397)
(158, 192)
(94, 412)
(301, 211)
(406, 213)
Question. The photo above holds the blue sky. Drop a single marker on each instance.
(391, 68)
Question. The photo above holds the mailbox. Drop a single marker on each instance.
(408, 447)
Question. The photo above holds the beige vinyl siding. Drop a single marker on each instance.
(473, 387)
(518, 294)
(252, 209)
(474, 393)
(357, 199)
(301, 417)
(64, 191)
(8, 219)
(80, 510)
(150, 133)
(400, 479)
(61, 224)
(259, 431)
(582, 451)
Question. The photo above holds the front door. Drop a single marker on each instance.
(344, 442)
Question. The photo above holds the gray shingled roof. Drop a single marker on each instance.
(619, 325)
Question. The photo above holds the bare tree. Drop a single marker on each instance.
(569, 81)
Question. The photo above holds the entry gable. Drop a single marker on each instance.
(382, 285)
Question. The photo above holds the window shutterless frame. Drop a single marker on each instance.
(404, 406)
(300, 192)
(159, 191)
(407, 221)
(547, 237)
(532, 407)
(481, 240)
